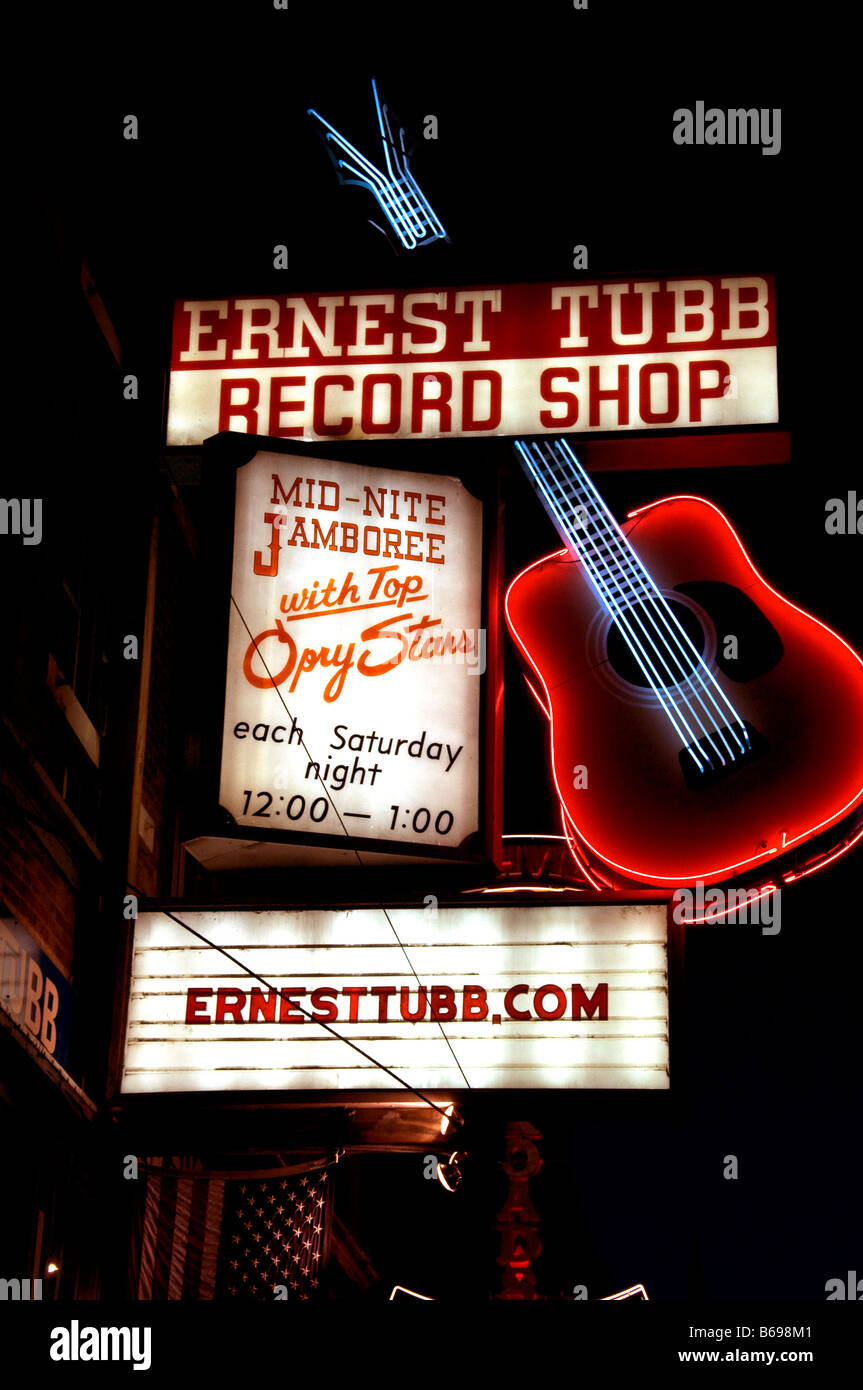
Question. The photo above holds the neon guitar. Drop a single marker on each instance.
(702, 726)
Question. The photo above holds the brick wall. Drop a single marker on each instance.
(36, 892)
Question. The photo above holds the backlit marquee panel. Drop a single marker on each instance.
(556, 997)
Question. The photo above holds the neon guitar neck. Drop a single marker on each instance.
(713, 735)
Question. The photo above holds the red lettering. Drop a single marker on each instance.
(194, 1003)
(474, 1002)
(596, 1005)
(410, 537)
(619, 393)
(509, 1005)
(431, 557)
(322, 999)
(319, 406)
(390, 425)
(354, 992)
(259, 565)
(645, 393)
(443, 1009)
(539, 1001)
(278, 405)
(286, 1014)
(421, 1004)
(468, 417)
(263, 1005)
(547, 418)
(229, 409)
(230, 1001)
(421, 403)
(699, 393)
(383, 993)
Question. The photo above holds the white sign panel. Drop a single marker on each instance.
(553, 997)
(355, 648)
(486, 360)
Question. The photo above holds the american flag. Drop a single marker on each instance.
(202, 1237)
(273, 1237)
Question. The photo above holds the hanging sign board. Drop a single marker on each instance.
(480, 997)
(356, 654)
(488, 360)
(35, 993)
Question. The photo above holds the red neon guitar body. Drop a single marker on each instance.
(616, 758)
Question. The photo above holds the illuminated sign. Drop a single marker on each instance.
(355, 654)
(399, 196)
(489, 360)
(685, 544)
(446, 998)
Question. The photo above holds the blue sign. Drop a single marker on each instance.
(33, 991)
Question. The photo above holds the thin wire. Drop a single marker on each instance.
(345, 830)
(247, 970)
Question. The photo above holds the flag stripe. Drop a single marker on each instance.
(212, 1231)
(164, 1238)
(180, 1240)
(148, 1235)
(197, 1225)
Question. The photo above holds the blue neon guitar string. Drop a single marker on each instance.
(655, 600)
(402, 200)
(679, 677)
(686, 681)
(609, 603)
(642, 659)
(669, 618)
(404, 171)
(368, 176)
(385, 196)
(562, 519)
(638, 592)
(631, 558)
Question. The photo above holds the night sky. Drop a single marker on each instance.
(554, 130)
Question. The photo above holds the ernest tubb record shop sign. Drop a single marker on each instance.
(488, 360)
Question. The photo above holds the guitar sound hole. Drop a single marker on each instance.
(672, 660)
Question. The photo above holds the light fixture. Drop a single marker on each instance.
(449, 1173)
(450, 1116)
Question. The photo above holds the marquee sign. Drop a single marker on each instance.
(557, 997)
(356, 651)
(488, 360)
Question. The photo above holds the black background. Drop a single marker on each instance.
(554, 130)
